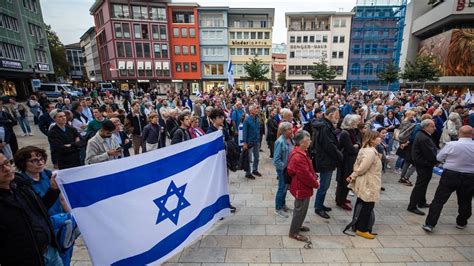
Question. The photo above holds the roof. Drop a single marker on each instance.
(99, 3)
(189, 4)
(319, 13)
(253, 11)
(73, 46)
(87, 33)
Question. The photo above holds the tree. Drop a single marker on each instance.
(282, 78)
(390, 74)
(422, 70)
(323, 72)
(256, 70)
(58, 53)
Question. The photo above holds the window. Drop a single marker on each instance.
(356, 49)
(128, 49)
(341, 54)
(40, 56)
(194, 67)
(186, 67)
(385, 49)
(292, 54)
(232, 35)
(325, 38)
(11, 23)
(175, 32)
(338, 69)
(250, 23)
(318, 38)
(298, 39)
(184, 32)
(380, 68)
(121, 11)
(260, 35)
(236, 23)
(367, 49)
(137, 31)
(368, 69)
(263, 24)
(192, 32)
(342, 39)
(232, 51)
(178, 67)
(336, 23)
(311, 39)
(305, 39)
(126, 30)
(155, 32)
(253, 35)
(177, 50)
(343, 23)
(192, 49)
(157, 13)
(146, 50)
(246, 35)
(185, 50)
(183, 17)
(120, 49)
(140, 12)
(334, 54)
(118, 30)
(355, 69)
(164, 50)
(374, 48)
(163, 32)
(238, 35)
(292, 39)
(156, 50)
(138, 49)
(335, 39)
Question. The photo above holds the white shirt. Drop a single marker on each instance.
(458, 155)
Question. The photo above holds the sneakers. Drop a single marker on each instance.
(460, 227)
(24, 135)
(427, 228)
(30, 134)
(281, 214)
(351, 193)
(365, 235)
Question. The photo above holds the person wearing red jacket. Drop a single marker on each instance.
(303, 181)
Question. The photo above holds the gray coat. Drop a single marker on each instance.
(96, 151)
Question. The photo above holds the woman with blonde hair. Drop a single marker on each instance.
(366, 182)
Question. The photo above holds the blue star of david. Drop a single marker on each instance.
(173, 215)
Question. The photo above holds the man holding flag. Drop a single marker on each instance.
(230, 73)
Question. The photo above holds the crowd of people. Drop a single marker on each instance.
(354, 135)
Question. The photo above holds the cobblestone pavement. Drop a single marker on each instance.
(255, 236)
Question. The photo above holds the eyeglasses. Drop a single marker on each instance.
(6, 163)
(37, 161)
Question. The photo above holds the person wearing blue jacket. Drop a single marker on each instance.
(251, 140)
(283, 145)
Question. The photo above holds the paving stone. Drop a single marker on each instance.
(324, 242)
(398, 241)
(203, 255)
(262, 242)
(437, 241)
(237, 219)
(465, 240)
(218, 230)
(263, 220)
(360, 255)
(397, 255)
(323, 256)
(182, 264)
(251, 211)
(285, 255)
(318, 230)
(280, 230)
(248, 255)
(246, 230)
(221, 241)
(468, 252)
(440, 254)
(224, 264)
(359, 242)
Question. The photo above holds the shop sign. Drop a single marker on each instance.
(308, 46)
(10, 64)
(143, 80)
(36, 83)
(249, 43)
(43, 67)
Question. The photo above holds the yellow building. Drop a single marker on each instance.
(250, 34)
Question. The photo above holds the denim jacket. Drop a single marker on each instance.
(281, 153)
(251, 130)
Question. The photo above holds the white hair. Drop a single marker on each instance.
(349, 120)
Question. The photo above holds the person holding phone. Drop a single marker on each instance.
(102, 147)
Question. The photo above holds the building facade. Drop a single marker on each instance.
(316, 36)
(91, 56)
(24, 50)
(184, 42)
(213, 40)
(444, 30)
(133, 42)
(250, 34)
(376, 40)
(75, 58)
(279, 51)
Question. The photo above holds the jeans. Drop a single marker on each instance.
(25, 126)
(325, 182)
(254, 154)
(389, 142)
(281, 192)
(399, 162)
(51, 257)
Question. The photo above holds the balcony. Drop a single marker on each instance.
(313, 24)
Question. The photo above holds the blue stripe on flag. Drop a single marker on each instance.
(172, 241)
(87, 192)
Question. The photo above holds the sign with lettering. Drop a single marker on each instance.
(310, 90)
(43, 67)
(309, 46)
(250, 43)
(10, 64)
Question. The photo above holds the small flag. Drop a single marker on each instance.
(230, 73)
(469, 97)
(146, 208)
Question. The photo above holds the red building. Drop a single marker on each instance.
(184, 43)
(133, 41)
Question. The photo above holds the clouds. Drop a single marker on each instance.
(71, 18)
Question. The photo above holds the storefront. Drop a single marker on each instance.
(208, 85)
(15, 82)
(252, 86)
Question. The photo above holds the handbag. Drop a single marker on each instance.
(396, 132)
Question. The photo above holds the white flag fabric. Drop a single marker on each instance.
(230, 73)
(144, 209)
(469, 97)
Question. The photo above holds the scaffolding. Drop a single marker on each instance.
(376, 40)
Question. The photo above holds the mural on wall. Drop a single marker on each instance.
(453, 51)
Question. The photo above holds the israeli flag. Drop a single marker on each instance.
(469, 97)
(146, 208)
(230, 73)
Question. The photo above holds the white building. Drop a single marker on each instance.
(315, 35)
(91, 55)
(445, 31)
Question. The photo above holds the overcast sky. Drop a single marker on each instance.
(70, 18)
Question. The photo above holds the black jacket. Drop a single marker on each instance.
(18, 241)
(135, 124)
(180, 135)
(171, 125)
(272, 129)
(424, 150)
(44, 122)
(326, 154)
(67, 156)
(123, 137)
(347, 139)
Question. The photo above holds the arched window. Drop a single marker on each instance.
(380, 68)
(355, 69)
(368, 69)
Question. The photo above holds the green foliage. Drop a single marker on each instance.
(58, 53)
(282, 78)
(422, 70)
(256, 70)
(390, 74)
(322, 71)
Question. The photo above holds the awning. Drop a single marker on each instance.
(129, 64)
(140, 65)
(158, 65)
(121, 65)
(148, 65)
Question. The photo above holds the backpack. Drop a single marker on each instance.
(65, 230)
(232, 155)
(404, 135)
